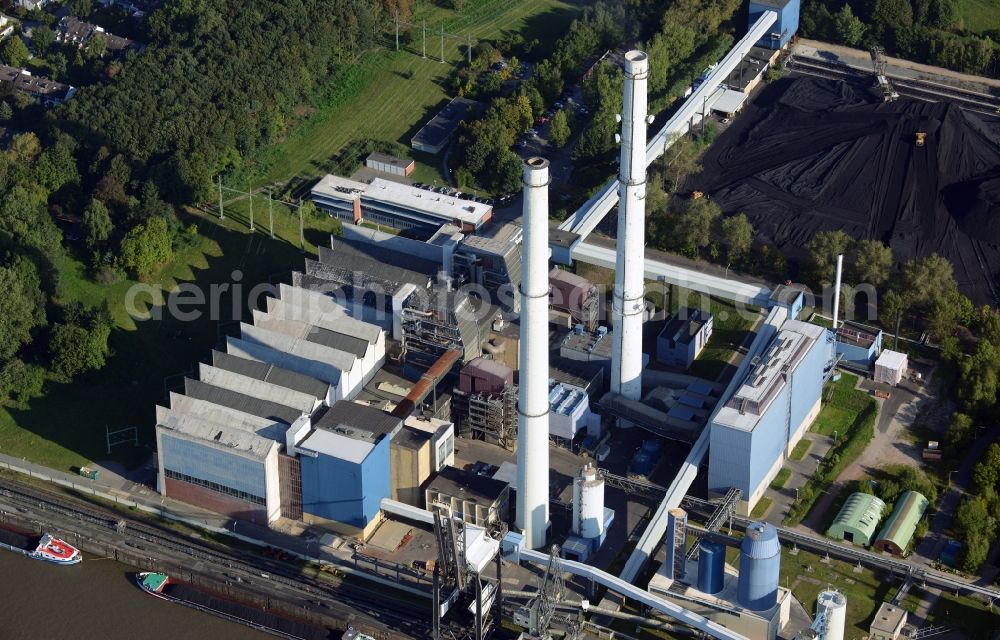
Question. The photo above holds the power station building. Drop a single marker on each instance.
(770, 411)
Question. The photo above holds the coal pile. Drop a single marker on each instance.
(812, 154)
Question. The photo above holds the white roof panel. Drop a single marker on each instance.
(337, 446)
(891, 360)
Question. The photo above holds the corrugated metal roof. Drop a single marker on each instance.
(240, 402)
(292, 340)
(861, 514)
(902, 524)
(272, 373)
(394, 265)
(222, 415)
(761, 541)
(296, 328)
(307, 363)
(255, 388)
(219, 436)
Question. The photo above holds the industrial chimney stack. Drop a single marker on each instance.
(533, 392)
(628, 302)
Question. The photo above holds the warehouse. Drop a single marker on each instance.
(898, 531)
(390, 164)
(758, 427)
(399, 206)
(858, 519)
(435, 135)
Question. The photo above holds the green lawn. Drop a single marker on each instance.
(841, 405)
(806, 576)
(779, 480)
(390, 94)
(979, 15)
(65, 427)
(801, 449)
(761, 508)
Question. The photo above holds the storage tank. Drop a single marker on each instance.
(831, 605)
(588, 503)
(711, 566)
(760, 565)
(642, 463)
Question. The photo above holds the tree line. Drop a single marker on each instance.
(921, 30)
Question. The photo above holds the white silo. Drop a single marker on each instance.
(831, 606)
(588, 503)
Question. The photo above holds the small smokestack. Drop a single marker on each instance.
(533, 393)
(628, 303)
(836, 291)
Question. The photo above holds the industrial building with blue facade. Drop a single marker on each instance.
(754, 432)
(786, 26)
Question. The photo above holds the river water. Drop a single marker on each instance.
(95, 600)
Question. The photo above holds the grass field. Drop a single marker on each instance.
(979, 15)
(761, 508)
(841, 405)
(65, 427)
(392, 94)
(800, 450)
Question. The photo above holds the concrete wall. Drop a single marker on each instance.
(410, 468)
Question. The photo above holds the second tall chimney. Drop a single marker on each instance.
(533, 393)
(628, 302)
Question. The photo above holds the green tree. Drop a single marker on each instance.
(507, 178)
(980, 378)
(22, 307)
(693, 224)
(960, 432)
(850, 28)
(680, 161)
(20, 382)
(986, 473)
(974, 517)
(930, 279)
(146, 247)
(42, 39)
(97, 222)
(824, 248)
(559, 131)
(97, 46)
(977, 548)
(82, 8)
(25, 147)
(76, 349)
(737, 233)
(892, 13)
(14, 52)
(872, 261)
(6, 112)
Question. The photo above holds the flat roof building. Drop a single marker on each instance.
(396, 205)
(346, 467)
(773, 406)
(784, 28)
(475, 499)
(683, 337)
(858, 519)
(890, 367)
(888, 623)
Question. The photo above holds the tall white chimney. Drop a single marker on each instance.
(533, 392)
(628, 303)
(836, 291)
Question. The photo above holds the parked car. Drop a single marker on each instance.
(560, 105)
(541, 120)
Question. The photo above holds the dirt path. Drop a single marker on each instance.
(863, 58)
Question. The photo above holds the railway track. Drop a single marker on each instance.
(348, 598)
(929, 91)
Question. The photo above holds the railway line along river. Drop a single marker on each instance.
(95, 600)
